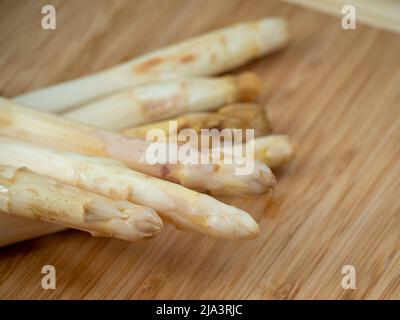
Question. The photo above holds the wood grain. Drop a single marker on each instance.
(383, 14)
(335, 91)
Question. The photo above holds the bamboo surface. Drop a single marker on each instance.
(335, 91)
(383, 14)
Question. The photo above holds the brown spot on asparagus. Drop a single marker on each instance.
(147, 65)
(154, 108)
(187, 58)
(92, 212)
(164, 170)
(116, 194)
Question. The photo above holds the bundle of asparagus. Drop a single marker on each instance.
(205, 55)
(103, 178)
(54, 131)
(162, 100)
(183, 207)
(273, 150)
(26, 194)
(237, 115)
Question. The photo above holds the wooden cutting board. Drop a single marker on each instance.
(335, 91)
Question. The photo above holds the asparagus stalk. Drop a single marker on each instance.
(184, 208)
(26, 194)
(54, 131)
(237, 115)
(209, 54)
(273, 150)
(162, 100)
(14, 229)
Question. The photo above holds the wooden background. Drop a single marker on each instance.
(383, 14)
(335, 91)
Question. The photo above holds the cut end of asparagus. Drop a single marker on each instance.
(125, 220)
(223, 220)
(249, 85)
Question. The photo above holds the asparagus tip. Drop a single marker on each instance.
(124, 220)
(240, 226)
(223, 220)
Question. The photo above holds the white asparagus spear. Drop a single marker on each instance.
(162, 100)
(14, 229)
(238, 115)
(274, 150)
(184, 208)
(209, 54)
(54, 131)
(27, 194)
